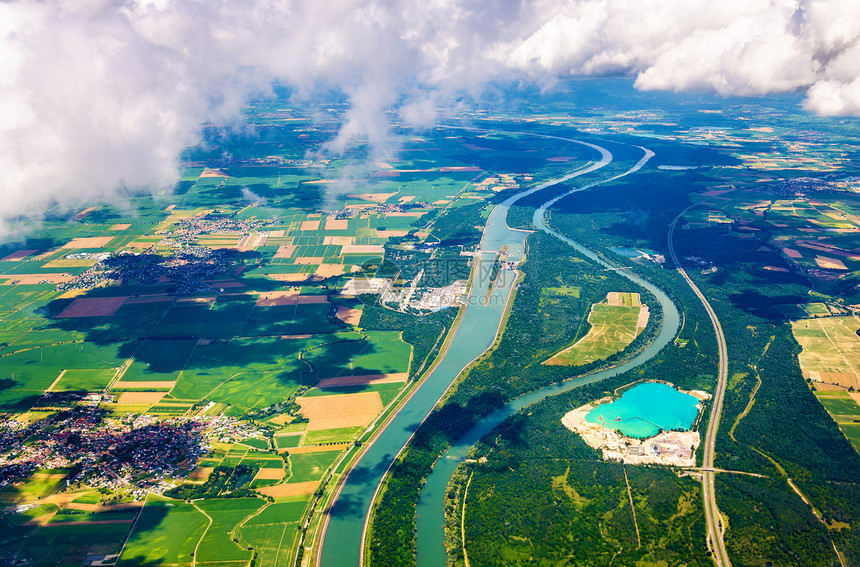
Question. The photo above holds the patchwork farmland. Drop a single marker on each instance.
(214, 345)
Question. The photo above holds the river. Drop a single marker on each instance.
(476, 332)
(430, 511)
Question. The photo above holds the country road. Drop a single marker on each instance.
(712, 513)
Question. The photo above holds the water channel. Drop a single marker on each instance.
(430, 511)
(343, 537)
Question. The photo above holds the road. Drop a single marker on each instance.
(712, 513)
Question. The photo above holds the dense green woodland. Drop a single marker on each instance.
(535, 330)
(787, 433)
(543, 496)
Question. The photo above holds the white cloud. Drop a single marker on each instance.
(104, 94)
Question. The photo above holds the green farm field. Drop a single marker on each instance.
(338, 435)
(273, 530)
(306, 467)
(167, 532)
(613, 327)
(379, 352)
(844, 408)
(227, 514)
(59, 544)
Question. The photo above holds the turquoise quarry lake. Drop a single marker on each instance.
(645, 409)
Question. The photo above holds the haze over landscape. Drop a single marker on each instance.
(100, 96)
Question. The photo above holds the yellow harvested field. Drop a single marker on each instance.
(831, 348)
(644, 314)
(281, 419)
(17, 255)
(252, 241)
(312, 299)
(285, 251)
(89, 522)
(281, 297)
(460, 168)
(318, 448)
(93, 307)
(344, 410)
(829, 263)
(390, 233)
(269, 474)
(63, 498)
(62, 263)
(212, 173)
(100, 508)
(72, 293)
(290, 277)
(365, 380)
(81, 215)
(407, 214)
(620, 298)
(143, 385)
(28, 279)
(332, 223)
(201, 473)
(140, 397)
(310, 225)
(441, 202)
(89, 242)
(48, 476)
(348, 315)
(375, 197)
(339, 240)
(139, 244)
(791, 253)
(119, 227)
(363, 249)
(329, 270)
(844, 379)
(309, 260)
(828, 387)
(196, 300)
(294, 489)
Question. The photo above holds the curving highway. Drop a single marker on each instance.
(712, 513)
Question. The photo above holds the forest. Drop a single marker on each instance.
(772, 425)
